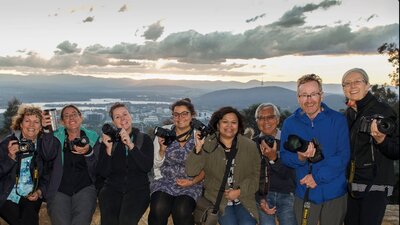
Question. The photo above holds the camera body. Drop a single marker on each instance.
(79, 141)
(168, 135)
(26, 146)
(296, 144)
(385, 125)
(269, 140)
(202, 128)
(112, 132)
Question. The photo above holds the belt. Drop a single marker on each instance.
(362, 187)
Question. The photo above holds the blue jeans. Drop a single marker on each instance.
(236, 215)
(284, 209)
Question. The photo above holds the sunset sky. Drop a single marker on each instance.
(239, 40)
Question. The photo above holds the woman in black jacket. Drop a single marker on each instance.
(125, 159)
(25, 156)
(373, 149)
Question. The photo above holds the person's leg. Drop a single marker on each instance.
(313, 213)
(243, 216)
(334, 211)
(29, 214)
(285, 209)
(373, 208)
(9, 212)
(59, 209)
(266, 219)
(83, 206)
(160, 208)
(353, 211)
(182, 210)
(134, 204)
(228, 217)
(110, 205)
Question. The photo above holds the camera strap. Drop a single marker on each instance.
(35, 175)
(306, 201)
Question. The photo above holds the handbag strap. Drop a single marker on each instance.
(231, 155)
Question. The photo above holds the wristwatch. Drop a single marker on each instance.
(272, 162)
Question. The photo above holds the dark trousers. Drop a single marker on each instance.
(368, 210)
(162, 205)
(117, 208)
(24, 213)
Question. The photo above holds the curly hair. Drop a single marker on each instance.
(220, 113)
(25, 110)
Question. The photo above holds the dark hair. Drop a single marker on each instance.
(114, 106)
(69, 106)
(220, 113)
(184, 102)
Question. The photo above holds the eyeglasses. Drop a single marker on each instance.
(348, 84)
(183, 114)
(266, 118)
(71, 116)
(312, 95)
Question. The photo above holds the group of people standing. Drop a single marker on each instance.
(321, 167)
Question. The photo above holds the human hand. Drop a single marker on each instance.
(232, 194)
(267, 151)
(108, 143)
(80, 150)
(184, 182)
(199, 142)
(13, 148)
(309, 153)
(265, 207)
(126, 139)
(46, 119)
(309, 181)
(376, 134)
(35, 195)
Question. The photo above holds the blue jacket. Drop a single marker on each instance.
(330, 129)
(57, 172)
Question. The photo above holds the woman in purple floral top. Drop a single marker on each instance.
(174, 192)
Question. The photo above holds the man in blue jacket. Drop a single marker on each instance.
(315, 142)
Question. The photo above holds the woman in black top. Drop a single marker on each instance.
(124, 162)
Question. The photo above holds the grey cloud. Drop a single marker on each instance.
(154, 31)
(371, 17)
(255, 18)
(67, 47)
(296, 17)
(88, 19)
(32, 60)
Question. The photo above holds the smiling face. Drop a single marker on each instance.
(122, 118)
(309, 97)
(71, 118)
(267, 121)
(228, 126)
(182, 117)
(354, 86)
(30, 126)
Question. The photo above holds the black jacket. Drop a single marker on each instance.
(127, 172)
(374, 162)
(47, 149)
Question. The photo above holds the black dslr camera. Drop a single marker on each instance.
(204, 129)
(79, 141)
(168, 135)
(112, 132)
(296, 144)
(269, 140)
(385, 125)
(26, 146)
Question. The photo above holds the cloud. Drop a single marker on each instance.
(255, 18)
(371, 17)
(123, 8)
(296, 17)
(88, 19)
(67, 48)
(154, 31)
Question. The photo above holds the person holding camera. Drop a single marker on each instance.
(374, 145)
(214, 153)
(24, 159)
(71, 196)
(275, 196)
(125, 159)
(315, 142)
(174, 193)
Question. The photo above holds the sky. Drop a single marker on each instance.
(240, 40)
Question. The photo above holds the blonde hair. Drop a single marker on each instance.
(25, 110)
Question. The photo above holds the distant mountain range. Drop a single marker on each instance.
(207, 94)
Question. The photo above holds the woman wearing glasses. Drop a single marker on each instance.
(24, 156)
(71, 196)
(173, 192)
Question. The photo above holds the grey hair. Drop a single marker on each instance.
(356, 70)
(267, 105)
